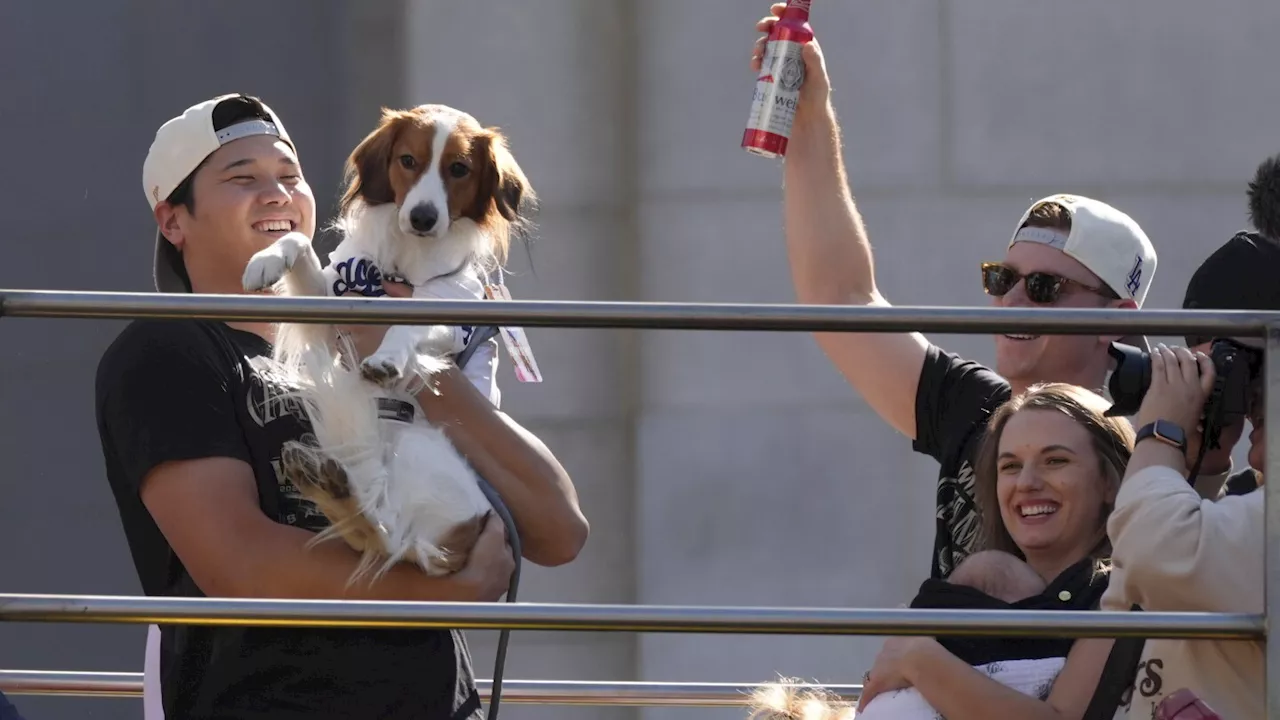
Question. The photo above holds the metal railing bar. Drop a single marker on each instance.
(1271, 519)
(656, 316)
(81, 684)
(530, 692)
(626, 618)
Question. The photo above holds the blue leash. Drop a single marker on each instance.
(500, 660)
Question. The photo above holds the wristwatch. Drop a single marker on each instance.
(1164, 431)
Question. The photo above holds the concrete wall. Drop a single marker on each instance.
(553, 75)
(716, 468)
(84, 88)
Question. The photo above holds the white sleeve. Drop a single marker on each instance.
(152, 704)
(1174, 551)
(482, 368)
(482, 371)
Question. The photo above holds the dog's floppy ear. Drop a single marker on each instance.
(366, 169)
(503, 180)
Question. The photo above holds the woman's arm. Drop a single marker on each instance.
(1172, 549)
(959, 692)
(532, 483)
(1176, 551)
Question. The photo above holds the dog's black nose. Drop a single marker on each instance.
(424, 217)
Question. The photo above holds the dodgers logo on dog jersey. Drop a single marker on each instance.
(360, 276)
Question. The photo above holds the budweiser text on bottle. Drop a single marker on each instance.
(773, 108)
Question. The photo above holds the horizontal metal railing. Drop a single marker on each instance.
(625, 618)
(637, 315)
(526, 692)
(680, 316)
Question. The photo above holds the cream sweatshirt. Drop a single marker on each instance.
(1174, 551)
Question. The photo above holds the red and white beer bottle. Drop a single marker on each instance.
(773, 108)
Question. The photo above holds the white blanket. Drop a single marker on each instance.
(1029, 677)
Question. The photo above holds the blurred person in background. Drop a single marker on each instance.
(1065, 251)
(1175, 550)
(192, 420)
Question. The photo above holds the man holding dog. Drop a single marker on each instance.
(192, 422)
(1066, 251)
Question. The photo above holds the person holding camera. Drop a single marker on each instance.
(1240, 275)
(1173, 549)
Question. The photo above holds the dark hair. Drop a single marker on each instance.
(229, 112)
(1112, 440)
(1264, 199)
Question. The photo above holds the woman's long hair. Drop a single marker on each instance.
(1112, 441)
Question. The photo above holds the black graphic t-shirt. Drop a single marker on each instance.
(172, 390)
(954, 401)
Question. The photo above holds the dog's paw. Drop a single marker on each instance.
(382, 368)
(298, 464)
(266, 268)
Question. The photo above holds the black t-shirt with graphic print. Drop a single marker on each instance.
(954, 400)
(172, 390)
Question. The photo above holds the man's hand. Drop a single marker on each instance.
(815, 93)
(487, 573)
(367, 338)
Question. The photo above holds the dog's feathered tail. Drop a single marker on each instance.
(789, 699)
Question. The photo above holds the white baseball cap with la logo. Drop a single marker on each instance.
(180, 146)
(1106, 241)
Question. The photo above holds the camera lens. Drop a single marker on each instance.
(1130, 380)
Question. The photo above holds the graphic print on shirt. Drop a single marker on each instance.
(272, 406)
(958, 518)
(1149, 684)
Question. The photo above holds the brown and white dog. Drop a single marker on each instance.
(432, 199)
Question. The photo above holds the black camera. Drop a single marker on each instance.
(1237, 368)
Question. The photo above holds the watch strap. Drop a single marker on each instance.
(1166, 432)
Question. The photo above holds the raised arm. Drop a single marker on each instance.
(1172, 549)
(831, 259)
(1175, 551)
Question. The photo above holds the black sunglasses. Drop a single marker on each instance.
(1043, 288)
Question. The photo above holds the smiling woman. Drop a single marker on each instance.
(1047, 476)
(1048, 472)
